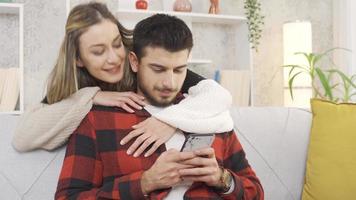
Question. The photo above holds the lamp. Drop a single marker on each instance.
(297, 37)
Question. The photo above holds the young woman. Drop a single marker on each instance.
(92, 68)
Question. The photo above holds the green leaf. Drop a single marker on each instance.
(324, 82)
(297, 66)
(353, 94)
(290, 84)
(353, 77)
(334, 86)
(308, 56)
(320, 56)
(343, 77)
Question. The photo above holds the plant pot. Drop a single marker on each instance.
(182, 6)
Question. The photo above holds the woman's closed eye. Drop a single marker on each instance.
(98, 51)
(117, 45)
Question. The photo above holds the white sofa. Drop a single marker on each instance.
(275, 141)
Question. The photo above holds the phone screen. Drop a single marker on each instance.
(197, 141)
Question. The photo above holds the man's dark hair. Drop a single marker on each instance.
(161, 30)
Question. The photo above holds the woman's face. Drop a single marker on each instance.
(102, 52)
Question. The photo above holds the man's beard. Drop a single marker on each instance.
(152, 100)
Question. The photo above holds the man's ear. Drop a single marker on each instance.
(133, 61)
(79, 62)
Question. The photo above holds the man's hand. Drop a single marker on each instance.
(206, 169)
(164, 172)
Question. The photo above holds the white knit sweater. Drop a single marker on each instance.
(204, 110)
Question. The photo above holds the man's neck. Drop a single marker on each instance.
(176, 100)
(146, 100)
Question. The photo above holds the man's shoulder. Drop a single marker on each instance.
(101, 118)
(106, 117)
(113, 109)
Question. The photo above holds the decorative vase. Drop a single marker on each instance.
(141, 4)
(214, 7)
(182, 6)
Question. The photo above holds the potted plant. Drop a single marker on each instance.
(255, 21)
(325, 76)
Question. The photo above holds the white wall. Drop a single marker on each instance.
(9, 24)
(43, 32)
(268, 77)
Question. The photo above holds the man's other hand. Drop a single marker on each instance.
(164, 172)
(206, 168)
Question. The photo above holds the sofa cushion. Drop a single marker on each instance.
(31, 175)
(275, 141)
(331, 164)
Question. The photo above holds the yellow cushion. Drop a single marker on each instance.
(331, 164)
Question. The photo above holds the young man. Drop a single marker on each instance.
(96, 166)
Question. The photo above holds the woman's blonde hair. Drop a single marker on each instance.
(66, 78)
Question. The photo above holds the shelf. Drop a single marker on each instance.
(193, 17)
(199, 61)
(10, 8)
(17, 9)
(11, 113)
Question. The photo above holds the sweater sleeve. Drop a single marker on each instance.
(49, 126)
(204, 110)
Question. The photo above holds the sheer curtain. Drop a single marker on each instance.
(345, 34)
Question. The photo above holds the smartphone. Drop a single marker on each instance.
(197, 141)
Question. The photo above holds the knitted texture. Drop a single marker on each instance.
(204, 110)
(49, 126)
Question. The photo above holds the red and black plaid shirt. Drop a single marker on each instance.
(96, 166)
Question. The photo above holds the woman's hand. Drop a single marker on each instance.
(119, 99)
(150, 131)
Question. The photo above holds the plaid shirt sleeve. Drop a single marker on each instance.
(247, 185)
(82, 171)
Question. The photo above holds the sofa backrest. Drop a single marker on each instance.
(30, 175)
(275, 141)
